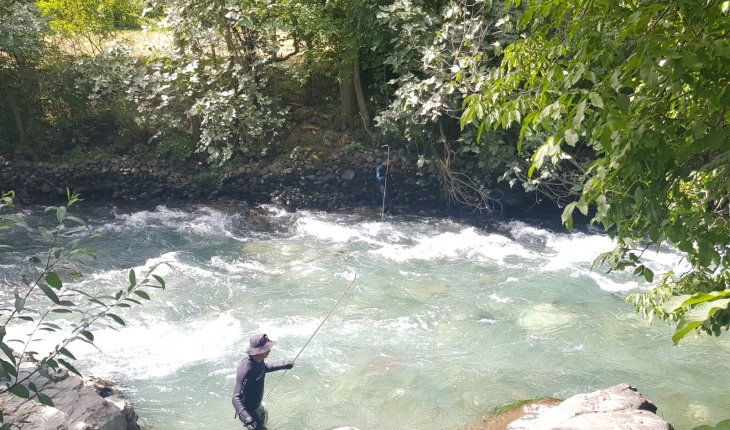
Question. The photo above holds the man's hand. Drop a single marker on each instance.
(288, 365)
(251, 425)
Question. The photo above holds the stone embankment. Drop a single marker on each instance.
(330, 181)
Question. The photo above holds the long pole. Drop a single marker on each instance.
(315, 332)
(385, 188)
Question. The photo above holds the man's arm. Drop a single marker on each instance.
(278, 366)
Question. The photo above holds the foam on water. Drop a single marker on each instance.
(202, 221)
(242, 266)
(155, 348)
(575, 249)
(608, 284)
(466, 244)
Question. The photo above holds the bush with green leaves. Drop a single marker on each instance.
(645, 86)
(44, 303)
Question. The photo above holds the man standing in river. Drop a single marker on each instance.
(249, 391)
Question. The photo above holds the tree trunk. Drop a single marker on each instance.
(347, 101)
(358, 92)
(16, 111)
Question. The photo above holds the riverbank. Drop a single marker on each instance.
(313, 181)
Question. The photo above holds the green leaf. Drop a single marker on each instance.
(19, 303)
(49, 293)
(67, 353)
(142, 294)
(638, 195)
(6, 349)
(20, 391)
(704, 297)
(615, 83)
(45, 400)
(2, 332)
(571, 137)
(46, 233)
(160, 280)
(68, 366)
(579, 115)
(655, 234)
(691, 61)
(61, 311)
(54, 281)
(648, 275)
(596, 99)
(61, 214)
(9, 368)
(567, 216)
(77, 220)
(116, 318)
(622, 103)
(696, 316)
(582, 206)
(132, 278)
(88, 335)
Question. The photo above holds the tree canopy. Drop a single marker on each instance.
(645, 85)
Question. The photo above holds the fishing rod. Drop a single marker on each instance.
(315, 332)
(385, 189)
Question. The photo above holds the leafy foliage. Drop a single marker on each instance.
(442, 52)
(644, 84)
(41, 294)
(211, 86)
(91, 21)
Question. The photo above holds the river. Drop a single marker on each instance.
(445, 321)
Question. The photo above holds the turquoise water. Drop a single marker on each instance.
(444, 322)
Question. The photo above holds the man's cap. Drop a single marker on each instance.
(259, 344)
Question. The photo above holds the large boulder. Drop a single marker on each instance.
(76, 406)
(620, 407)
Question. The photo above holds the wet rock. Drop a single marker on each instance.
(620, 407)
(348, 175)
(76, 406)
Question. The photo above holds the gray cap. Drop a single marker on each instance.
(259, 344)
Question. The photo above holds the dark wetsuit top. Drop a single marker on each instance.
(249, 391)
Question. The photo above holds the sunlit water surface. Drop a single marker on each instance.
(444, 322)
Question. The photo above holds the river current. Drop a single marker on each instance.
(444, 322)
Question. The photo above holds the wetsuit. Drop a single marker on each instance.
(385, 184)
(249, 391)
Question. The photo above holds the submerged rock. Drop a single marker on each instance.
(76, 406)
(620, 407)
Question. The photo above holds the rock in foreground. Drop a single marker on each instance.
(77, 407)
(620, 407)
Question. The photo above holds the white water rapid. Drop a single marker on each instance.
(444, 322)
